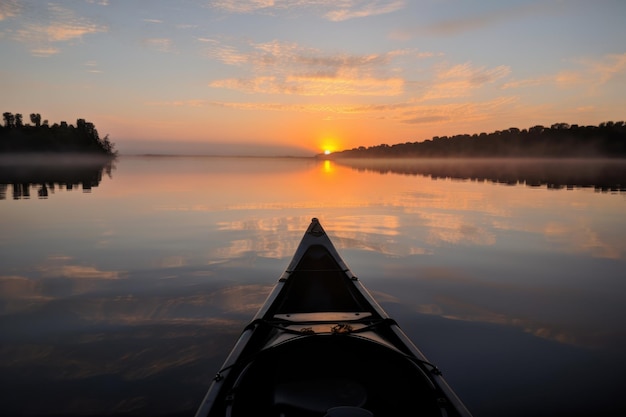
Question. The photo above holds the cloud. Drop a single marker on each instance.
(467, 23)
(358, 9)
(244, 6)
(225, 53)
(608, 67)
(333, 10)
(589, 73)
(45, 52)
(460, 80)
(77, 271)
(529, 82)
(408, 112)
(9, 8)
(315, 86)
(92, 67)
(159, 44)
(287, 68)
(59, 25)
(459, 112)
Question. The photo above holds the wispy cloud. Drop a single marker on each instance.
(589, 73)
(45, 52)
(244, 6)
(78, 271)
(287, 68)
(92, 67)
(467, 23)
(459, 112)
(227, 54)
(160, 44)
(60, 25)
(8, 9)
(357, 9)
(608, 67)
(315, 86)
(333, 10)
(404, 112)
(460, 80)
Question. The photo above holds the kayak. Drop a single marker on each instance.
(322, 346)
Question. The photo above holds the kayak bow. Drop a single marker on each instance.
(322, 346)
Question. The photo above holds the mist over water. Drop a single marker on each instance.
(127, 299)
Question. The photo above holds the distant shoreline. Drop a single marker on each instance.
(561, 140)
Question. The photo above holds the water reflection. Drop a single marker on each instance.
(45, 174)
(130, 305)
(604, 175)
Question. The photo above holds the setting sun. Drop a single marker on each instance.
(328, 146)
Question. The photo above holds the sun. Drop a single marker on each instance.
(328, 147)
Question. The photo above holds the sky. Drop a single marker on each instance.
(297, 77)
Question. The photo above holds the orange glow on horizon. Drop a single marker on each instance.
(329, 145)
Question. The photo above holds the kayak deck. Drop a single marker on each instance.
(319, 284)
(322, 346)
(315, 374)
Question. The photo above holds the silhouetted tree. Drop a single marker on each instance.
(63, 137)
(36, 119)
(558, 140)
(9, 119)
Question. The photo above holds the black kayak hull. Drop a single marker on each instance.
(322, 346)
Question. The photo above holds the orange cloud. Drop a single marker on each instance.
(330, 9)
(460, 80)
(287, 68)
(62, 25)
(8, 9)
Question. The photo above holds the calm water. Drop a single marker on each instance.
(122, 293)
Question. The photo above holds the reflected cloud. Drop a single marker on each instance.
(176, 261)
(18, 293)
(454, 295)
(57, 278)
(274, 237)
(77, 271)
(278, 237)
(583, 239)
(383, 225)
(208, 308)
(455, 309)
(452, 228)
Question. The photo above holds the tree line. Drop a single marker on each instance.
(40, 137)
(608, 139)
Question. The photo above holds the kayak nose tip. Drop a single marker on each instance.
(315, 228)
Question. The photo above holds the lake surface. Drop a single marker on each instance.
(123, 288)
